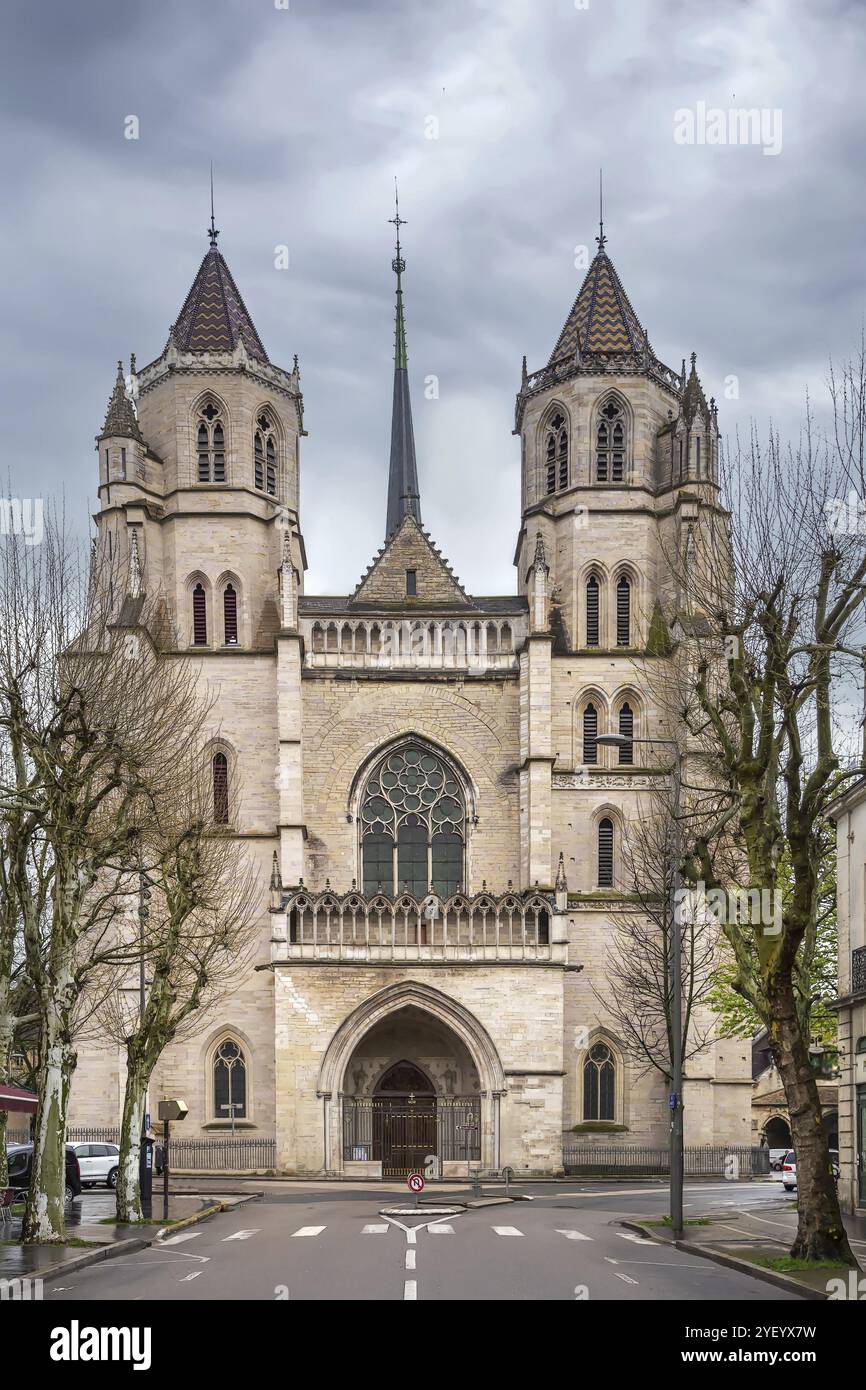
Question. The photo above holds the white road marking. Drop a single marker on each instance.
(410, 1259)
(376, 1229)
(506, 1231)
(444, 1230)
(624, 1277)
(635, 1238)
(187, 1277)
(410, 1291)
(245, 1235)
(573, 1235)
(308, 1231)
(609, 1261)
(184, 1235)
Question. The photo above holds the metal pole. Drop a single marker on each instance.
(165, 1127)
(676, 1015)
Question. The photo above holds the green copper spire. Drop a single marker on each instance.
(403, 496)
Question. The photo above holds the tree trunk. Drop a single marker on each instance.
(44, 1220)
(6, 1027)
(820, 1232)
(128, 1186)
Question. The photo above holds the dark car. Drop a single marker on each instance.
(20, 1158)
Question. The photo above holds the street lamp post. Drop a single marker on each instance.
(676, 949)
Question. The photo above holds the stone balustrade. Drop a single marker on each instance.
(464, 928)
(424, 644)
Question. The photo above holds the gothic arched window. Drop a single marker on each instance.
(556, 453)
(230, 615)
(211, 445)
(590, 734)
(626, 729)
(605, 853)
(220, 774)
(412, 825)
(599, 1084)
(623, 613)
(610, 444)
(199, 616)
(592, 611)
(265, 455)
(229, 1082)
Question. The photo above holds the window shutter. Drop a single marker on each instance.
(220, 789)
(199, 617)
(605, 853)
(626, 729)
(230, 614)
(259, 462)
(623, 613)
(590, 734)
(592, 611)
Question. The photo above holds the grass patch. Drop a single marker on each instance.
(689, 1221)
(142, 1221)
(786, 1264)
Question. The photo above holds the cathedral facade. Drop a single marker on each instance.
(415, 769)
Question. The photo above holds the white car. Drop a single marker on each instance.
(98, 1163)
(789, 1169)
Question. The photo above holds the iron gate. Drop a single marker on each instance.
(401, 1133)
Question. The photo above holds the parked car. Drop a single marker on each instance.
(777, 1158)
(98, 1163)
(789, 1169)
(20, 1158)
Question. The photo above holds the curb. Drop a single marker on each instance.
(769, 1276)
(227, 1204)
(91, 1257)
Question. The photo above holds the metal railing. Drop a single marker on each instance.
(222, 1154)
(466, 928)
(705, 1160)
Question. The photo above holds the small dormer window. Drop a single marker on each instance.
(211, 445)
(265, 455)
(411, 583)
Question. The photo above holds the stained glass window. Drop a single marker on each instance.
(412, 825)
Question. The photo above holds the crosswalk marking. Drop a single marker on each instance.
(441, 1230)
(410, 1259)
(183, 1235)
(374, 1229)
(244, 1235)
(573, 1235)
(507, 1231)
(187, 1277)
(308, 1231)
(624, 1277)
(410, 1291)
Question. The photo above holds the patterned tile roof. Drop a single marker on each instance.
(601, 318)
(120, 417)
(214, 318)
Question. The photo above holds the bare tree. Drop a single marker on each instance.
(94, 721)
(770, 609)
(638, 989)
(199, 935)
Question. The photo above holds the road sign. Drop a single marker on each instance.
(415, 1182)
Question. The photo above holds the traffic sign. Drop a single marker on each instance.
(415, 1182)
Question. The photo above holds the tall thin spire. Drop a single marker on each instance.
(403, 495)
(212, 230)
(601, 238)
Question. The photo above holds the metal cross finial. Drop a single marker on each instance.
(398, 265)
(212, 231)
(601, 238)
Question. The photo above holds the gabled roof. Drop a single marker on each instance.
(410, 548)
(214, 318)
(601, 318)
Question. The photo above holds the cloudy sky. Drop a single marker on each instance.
(495, 115)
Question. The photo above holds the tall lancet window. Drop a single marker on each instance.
(592, 611)
(605, 853)
(623, 613)
(211, 445)
(265, 455)
(230, 615)
(626, 730)
(556, 453)
(220, 773)
(412, 824)
(199, 616)
(610, 444)
(590, 734)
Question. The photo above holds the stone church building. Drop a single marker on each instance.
(414, 768)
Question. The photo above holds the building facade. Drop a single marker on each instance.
(415, 769)
(849, 814)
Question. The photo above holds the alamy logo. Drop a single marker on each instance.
(21, 1290)
(756, 907)
(735, 125)
(22, 516)
(77, 1343)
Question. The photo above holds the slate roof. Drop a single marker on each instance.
(601, 318)
(214, 317)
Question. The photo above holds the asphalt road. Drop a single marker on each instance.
(354, 1243)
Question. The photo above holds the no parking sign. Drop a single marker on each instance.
(415, 1182)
